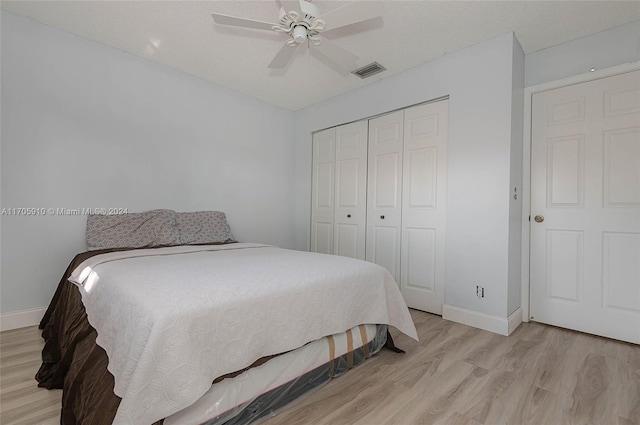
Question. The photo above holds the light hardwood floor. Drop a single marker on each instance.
(455, 375)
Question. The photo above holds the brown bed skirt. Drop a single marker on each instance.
(71, 359)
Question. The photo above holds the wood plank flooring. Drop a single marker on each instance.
(455, 375)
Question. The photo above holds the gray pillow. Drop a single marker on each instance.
(135, 230)
(203, 227)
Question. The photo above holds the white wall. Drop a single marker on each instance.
(608, 48)
(85, 125)
(480, 82)
(515, 205)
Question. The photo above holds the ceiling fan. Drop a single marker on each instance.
(301, 21)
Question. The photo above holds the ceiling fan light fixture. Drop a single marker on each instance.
(299, 34)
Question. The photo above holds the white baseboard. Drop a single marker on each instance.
(514, 320)
(21, 319)
(496, 324)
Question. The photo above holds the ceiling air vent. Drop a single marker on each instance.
(369, 70)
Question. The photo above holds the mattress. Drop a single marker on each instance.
(316, 363)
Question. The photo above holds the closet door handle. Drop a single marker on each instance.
(382, 217)
(348, 215)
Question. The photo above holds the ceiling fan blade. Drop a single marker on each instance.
(241, 22)
(283, 57)
(352, 13)
(289, 5)
(337, 54)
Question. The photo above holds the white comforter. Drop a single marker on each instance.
(173, 319)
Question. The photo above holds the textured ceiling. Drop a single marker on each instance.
(182, 35)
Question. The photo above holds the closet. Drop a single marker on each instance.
(379, 194)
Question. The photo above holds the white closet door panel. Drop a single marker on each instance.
(322, 192)
(346, 236)
(421, 187)
(322, 237)
(386, 188)
(347, 183)
(350, 190)
(323, 185)
(384, 247)
(384, 191)
(419, 259)
(424, 206)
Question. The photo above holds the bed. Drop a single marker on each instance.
(204, 329)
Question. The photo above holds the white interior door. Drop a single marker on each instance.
(322, 191)
(424, 194)
(350, 190)
(384, 192)
(585, 207)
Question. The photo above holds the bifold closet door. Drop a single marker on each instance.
(424, 193)
(384, 192)
(338, 210)
(350, 190)
(322, 191)
(379, 193)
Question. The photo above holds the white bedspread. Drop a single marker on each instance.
(173, 319)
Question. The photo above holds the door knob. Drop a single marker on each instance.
(348, 215)
(538, 219)
(382, 217)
